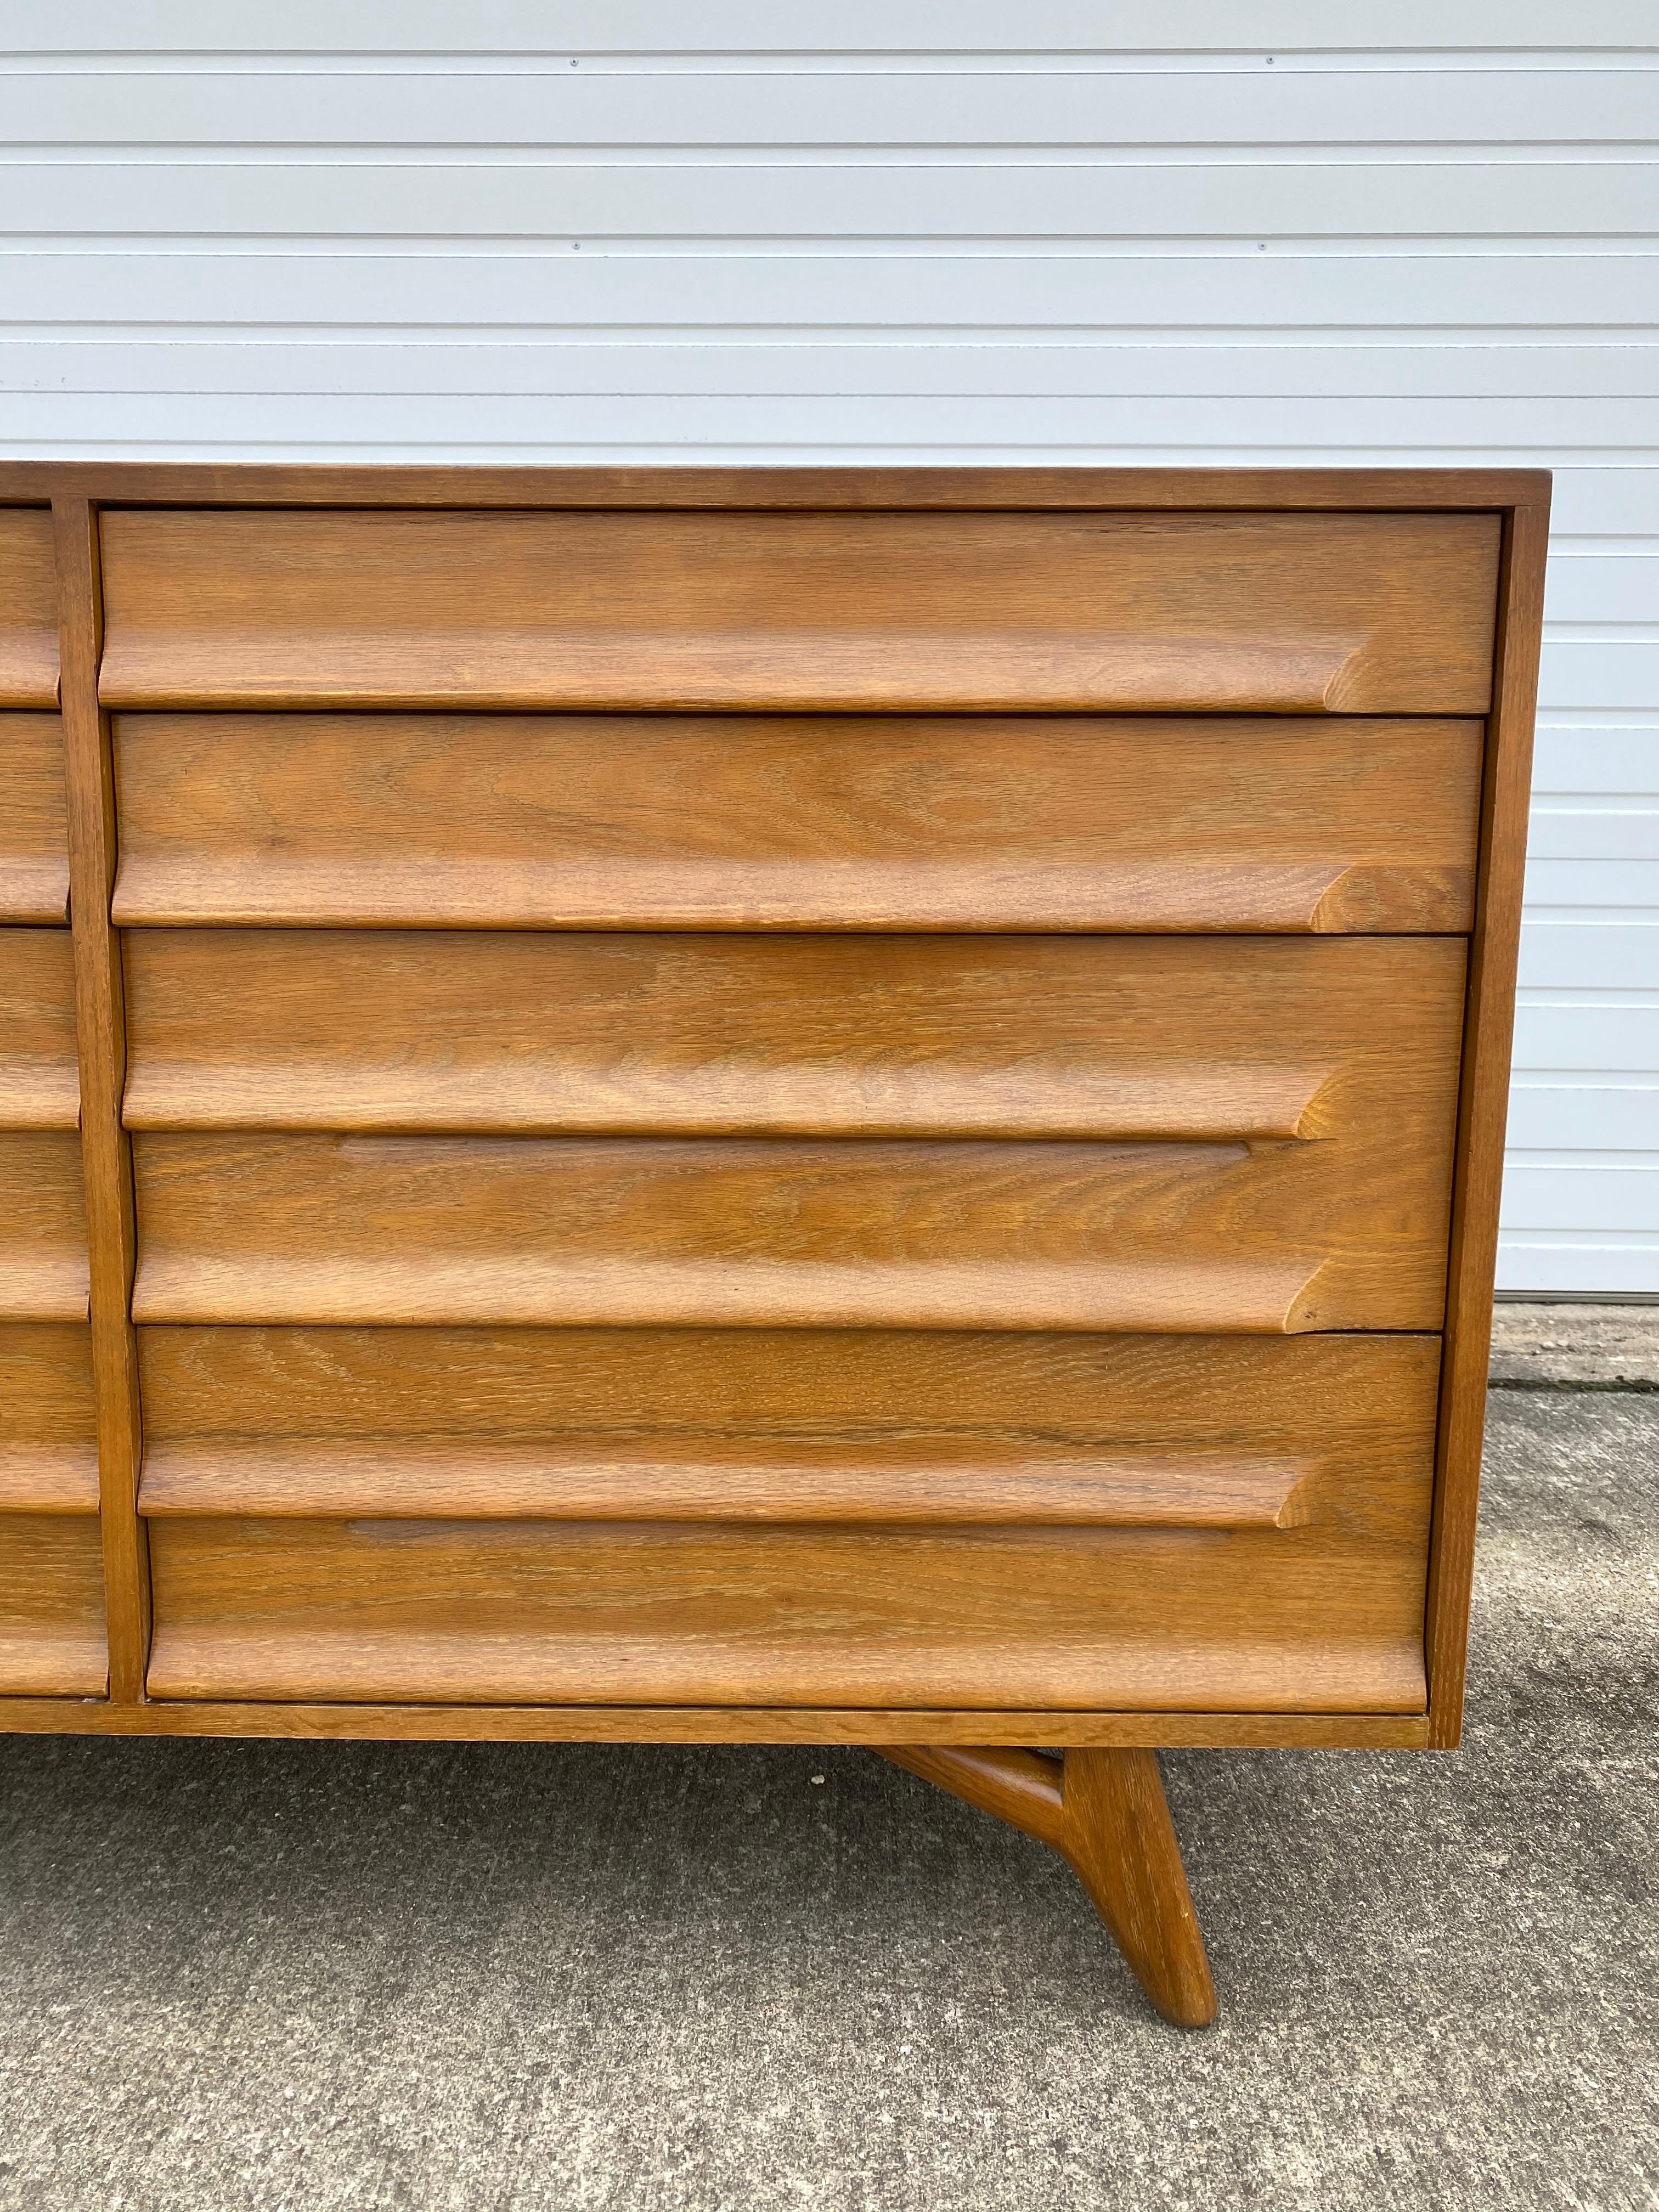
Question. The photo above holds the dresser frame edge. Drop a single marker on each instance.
(1483, 1107)
(732, 1724)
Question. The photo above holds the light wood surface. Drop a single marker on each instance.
(1127, 1039)
(1106, 1812)
(28, 609)
(1484, 1108)
(33, 836)
(378, 1119)
(43, 1227)
(1345, 1231)
(1282, 612)
(410, 1609)
(885, 1481)
(1323, 1617)
(856, 822)
(418, 1724)
(106, 1156)
(51, 1606)
(297, 1418)
(48, 1423)
(635, 1232)
(40, 1079)
(1350, 1405)
(1120, 1838)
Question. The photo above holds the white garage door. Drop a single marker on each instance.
(827, 230)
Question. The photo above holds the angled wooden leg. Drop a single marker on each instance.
(1120, 1838)
(1104, 1811)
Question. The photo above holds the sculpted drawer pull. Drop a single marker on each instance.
(780, 1479)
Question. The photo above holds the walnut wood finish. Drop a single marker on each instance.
(1285, 612)
(849, 823)
(33, 831)
(1106, 1813)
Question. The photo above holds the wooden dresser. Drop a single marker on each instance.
(856, 1106)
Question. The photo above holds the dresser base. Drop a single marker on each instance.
(1106, 1815)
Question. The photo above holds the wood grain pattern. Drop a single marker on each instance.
(1196, 1040)
(1321, 1618)
(48, 1421)
(630, 1232)
(933, 1481)
(43, 1227)
(1120, 1838)
(33, 835)
(312, 1446)
(1106, 1812)
(925, 490)
(1483, 1109)
(106, 1156)
(682, 1423)
(1281, 612)
(40, 1079)
(28, 609)
(416, 1724)
(761, 822)
(1341, 1227)
(52, 1607)
(1348, 1394)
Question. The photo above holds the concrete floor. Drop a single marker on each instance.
(1598, 1346)
(235, 1978)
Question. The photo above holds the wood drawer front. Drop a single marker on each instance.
(43, 1234)
(40, 1074)
(1327, 613)
(844, 1426)
(524, 1613)
(1235, 1523)
(52, 1579)
(762, 822)
(43, 1226)
(48, 1425)
(52, 1607)
(1108, 1038)
(28, 609)
(34, 833)
(1310, 1193)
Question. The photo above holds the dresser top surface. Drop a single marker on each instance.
(469, 484)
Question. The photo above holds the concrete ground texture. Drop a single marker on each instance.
(309, 1976)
